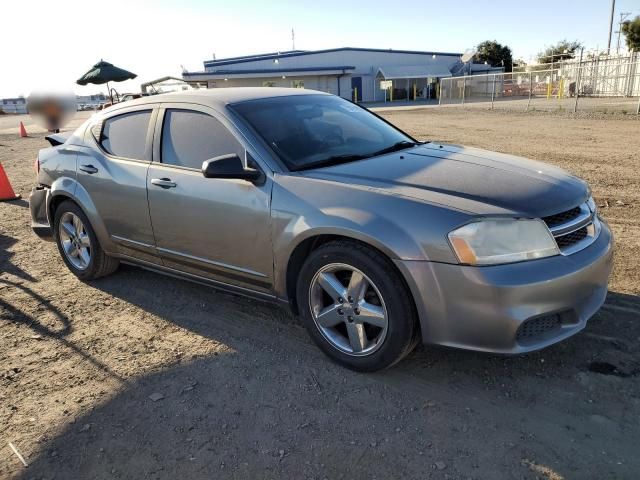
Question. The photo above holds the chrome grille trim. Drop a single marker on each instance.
(593, 231)
(585, 218)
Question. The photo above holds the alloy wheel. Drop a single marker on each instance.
(348, 309)
(75, 240)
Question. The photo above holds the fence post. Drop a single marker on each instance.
(464, 88)
(638, 107)
(575, 107)
(493, 90)
(530, 88)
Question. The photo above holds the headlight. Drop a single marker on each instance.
(592, 205)
(495, 241)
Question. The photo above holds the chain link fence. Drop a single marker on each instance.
(607, 87)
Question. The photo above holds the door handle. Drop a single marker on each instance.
(163, 182)
(90, 169)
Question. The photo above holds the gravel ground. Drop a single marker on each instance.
(143, 376)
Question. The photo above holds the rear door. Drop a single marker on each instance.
(115, 174)
(214, 228)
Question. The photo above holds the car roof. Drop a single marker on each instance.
(219, 97)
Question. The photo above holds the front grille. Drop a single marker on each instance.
(572, 238)
(572, 228)
(536, 329)
(562, 217)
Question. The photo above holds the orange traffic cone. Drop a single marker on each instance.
(6, 192)
(23, 131)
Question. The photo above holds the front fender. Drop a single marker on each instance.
(284, 249)
(399, 227)
(72, 189)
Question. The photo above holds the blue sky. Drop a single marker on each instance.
(155, 38)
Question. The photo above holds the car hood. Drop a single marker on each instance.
(469, 179)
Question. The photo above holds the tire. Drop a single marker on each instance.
(99, 264)
(384, 343)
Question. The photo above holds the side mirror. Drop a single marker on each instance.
(230, 166)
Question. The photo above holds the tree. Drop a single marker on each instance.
(561, 51)
(519, 63)
(495, 54)
(631, 30)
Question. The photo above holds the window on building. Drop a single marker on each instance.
(126, 135)
(297, 83)
(189, 138)
(268, 83)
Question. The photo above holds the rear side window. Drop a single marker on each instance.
(189, 138)
(126, 135)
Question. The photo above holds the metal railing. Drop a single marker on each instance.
(612, 88)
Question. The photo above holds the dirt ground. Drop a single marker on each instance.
(143, 376)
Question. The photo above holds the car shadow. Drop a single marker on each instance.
(20, 202)
(17, 279)
(6, 265)
(274, 406)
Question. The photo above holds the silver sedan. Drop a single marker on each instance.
(377, 241)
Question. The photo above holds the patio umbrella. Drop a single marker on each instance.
(105, 72)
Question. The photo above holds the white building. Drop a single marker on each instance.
(90, 102)
(14, 105)
(362, 74)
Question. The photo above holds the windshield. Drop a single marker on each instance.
(310, 131)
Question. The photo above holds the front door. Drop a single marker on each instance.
(213, 228)
(114, 173)
(356, 89)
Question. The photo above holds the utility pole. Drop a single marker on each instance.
(613, 7)
(293, 39)
(623, 17)
(575, 105)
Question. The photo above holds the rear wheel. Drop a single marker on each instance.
(78, 244)
(355, 306)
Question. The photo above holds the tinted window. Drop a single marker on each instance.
(308, 131)
(189, 138)
(126, 135)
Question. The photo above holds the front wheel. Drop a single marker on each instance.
(356, 306)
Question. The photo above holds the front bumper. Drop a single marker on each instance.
(38, 199)
(485, 308)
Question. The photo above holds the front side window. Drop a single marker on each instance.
(311, 131)
(189, 138)
(126, 135)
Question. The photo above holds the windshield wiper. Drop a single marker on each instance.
(333, 160)
(401, 145)
(348, 157)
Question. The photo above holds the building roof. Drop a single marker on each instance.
(414, 71)
(256, 56)
(299, 53)
(275, 71)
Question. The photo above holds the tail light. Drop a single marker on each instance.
(36, 166)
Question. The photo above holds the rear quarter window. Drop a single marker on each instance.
(126, 135)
